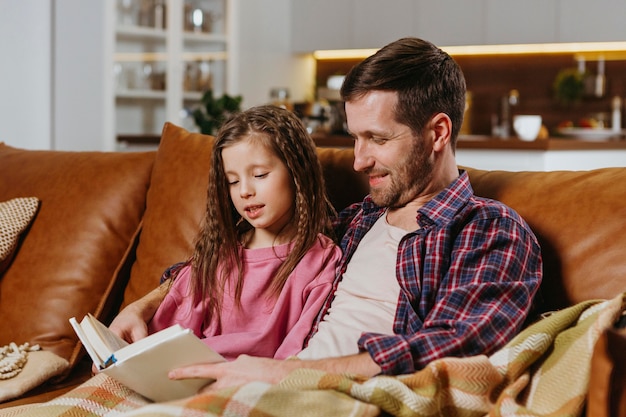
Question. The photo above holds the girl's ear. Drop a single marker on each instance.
(442, 129)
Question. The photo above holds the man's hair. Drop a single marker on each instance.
(427, 80)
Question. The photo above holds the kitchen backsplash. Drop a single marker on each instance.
(489, 78)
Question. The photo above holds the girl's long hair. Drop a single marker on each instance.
(218, 249)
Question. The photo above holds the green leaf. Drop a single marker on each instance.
(212, 113)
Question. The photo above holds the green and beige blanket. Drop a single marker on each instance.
(544, 371)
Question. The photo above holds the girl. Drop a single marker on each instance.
(262, 266)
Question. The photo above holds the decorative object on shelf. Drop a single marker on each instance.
(126, 12)
(569, 86)
(212, 112)
(280, 97)
(198, 76)
(197, 19)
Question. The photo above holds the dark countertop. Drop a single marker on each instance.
(488, 142)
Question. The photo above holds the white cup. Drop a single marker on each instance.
(527, 126)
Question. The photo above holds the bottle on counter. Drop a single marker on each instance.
(616, 115)
(466, 126)
(506, 103)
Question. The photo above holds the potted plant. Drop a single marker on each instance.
(569, 86)
(213, 112)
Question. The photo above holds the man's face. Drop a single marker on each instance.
(398, 164)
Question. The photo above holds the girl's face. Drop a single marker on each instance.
(261, 190)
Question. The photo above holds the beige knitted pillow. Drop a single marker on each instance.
(15, 216)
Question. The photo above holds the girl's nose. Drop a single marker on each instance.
(245, 189)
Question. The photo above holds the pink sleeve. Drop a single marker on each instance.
(321, 266)
(177, 307)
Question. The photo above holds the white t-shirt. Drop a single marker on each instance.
(366, 298)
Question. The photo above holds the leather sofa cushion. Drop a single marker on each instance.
(175, 207)
(579, 218)
(91, 206)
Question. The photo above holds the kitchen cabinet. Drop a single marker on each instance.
(584, 21)
(374, 26)
(514, 21)
(321, 24)
(166, 54)
(356, 24)
(450, 22)
(350, 24)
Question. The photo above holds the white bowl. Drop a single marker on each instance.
(527, 126)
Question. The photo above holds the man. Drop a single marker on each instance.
(429, 270)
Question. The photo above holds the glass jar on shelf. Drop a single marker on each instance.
(127, 11)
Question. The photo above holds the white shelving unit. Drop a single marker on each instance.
(161, 63)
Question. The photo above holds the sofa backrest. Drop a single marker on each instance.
(579, 218)
(66, 264)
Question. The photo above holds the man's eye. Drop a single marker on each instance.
(379, 140)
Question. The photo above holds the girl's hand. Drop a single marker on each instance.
(129, 324)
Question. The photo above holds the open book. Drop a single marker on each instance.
(143, 366)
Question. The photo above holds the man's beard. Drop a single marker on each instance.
(409, 177)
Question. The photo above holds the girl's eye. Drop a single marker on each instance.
(234, 182)
(262, 175)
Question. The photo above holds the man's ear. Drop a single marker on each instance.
(442, 128)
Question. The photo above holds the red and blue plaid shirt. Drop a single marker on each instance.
(468, 276)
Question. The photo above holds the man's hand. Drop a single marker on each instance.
(242, 370)
(246, 369)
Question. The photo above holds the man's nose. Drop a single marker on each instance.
(362, 157)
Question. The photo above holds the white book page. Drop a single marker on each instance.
(103, 340)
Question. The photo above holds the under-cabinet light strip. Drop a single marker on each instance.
(588, 50)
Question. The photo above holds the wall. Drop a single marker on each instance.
(52, 81)
(265, 58)
(26, 117)
(81, 83)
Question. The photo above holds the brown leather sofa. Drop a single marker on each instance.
(110, 223)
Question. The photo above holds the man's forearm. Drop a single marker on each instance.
(361, 364)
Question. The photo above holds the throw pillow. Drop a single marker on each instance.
(175, 206)
(15, 216)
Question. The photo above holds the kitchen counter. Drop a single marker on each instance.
(486, 152)
(512, 154)
(489, 142)
(560, 144)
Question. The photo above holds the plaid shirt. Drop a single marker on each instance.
(467, 278)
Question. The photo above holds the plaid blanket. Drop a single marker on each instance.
(542, 372)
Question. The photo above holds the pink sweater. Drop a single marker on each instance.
(262, 327)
